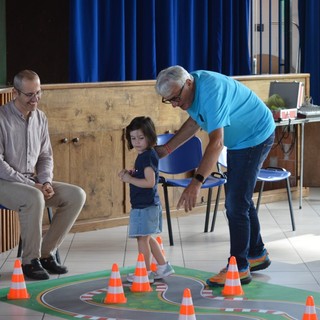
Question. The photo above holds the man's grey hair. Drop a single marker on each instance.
(22, 75)
(169, 77)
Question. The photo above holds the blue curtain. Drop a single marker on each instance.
(309, 26)
(116, 40)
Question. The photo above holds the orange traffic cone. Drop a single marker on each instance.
(18, 288)
(186, 308)
(159, 240)
(154, 264)
(115, 292)
(310, 311)
(232, 286)
(141, 280)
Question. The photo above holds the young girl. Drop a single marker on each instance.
(146, 210)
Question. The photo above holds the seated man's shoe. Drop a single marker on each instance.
(220, 279)
(35, 271)
(259, 263)
(52, 266)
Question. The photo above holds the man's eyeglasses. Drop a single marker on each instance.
(174, 99)
(31, 95)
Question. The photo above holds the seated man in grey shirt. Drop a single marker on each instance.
(26, 173)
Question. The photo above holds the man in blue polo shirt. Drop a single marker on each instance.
(233, 116)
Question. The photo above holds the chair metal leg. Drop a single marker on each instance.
(50, 215)
(166, 200)
(259, 196)
(215, 209)
(206, 222)
(19, 248)
(290, 204)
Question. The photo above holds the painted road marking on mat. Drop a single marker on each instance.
(169, 291)
(88, 296)
(207, 293)
(275, 312)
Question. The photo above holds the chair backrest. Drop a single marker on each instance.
(222, 160)
(185, 158)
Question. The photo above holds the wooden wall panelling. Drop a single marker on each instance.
(104, 108)
(92, 161)
(10, 229)
(61, 155)
(97, 114)
(312, 156)
(94, 164)
(111, 106)
(5, 97)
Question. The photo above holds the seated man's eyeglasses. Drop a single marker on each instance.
(174, 99)
(31, 95)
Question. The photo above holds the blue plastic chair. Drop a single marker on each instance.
(50, 215)
(185, 159)
(268, 174)
(274, 174)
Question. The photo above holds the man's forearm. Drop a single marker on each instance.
(187, 130)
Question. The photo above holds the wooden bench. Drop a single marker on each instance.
(10, 230)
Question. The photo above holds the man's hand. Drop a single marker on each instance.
(189, 196)
(46, 189)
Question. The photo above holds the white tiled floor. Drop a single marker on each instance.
(295, 255)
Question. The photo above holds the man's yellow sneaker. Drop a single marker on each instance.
(261, 262)
(220, 279)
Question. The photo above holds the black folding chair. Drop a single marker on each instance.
(50, 215)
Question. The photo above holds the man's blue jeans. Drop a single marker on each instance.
(244, 226)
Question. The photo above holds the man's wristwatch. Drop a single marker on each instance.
(199, 177)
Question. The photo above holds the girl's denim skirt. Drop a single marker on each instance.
(146, 221)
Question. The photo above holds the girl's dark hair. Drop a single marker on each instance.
(146, 125)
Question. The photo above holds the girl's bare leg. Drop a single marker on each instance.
(144, 247)
(157, 251)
